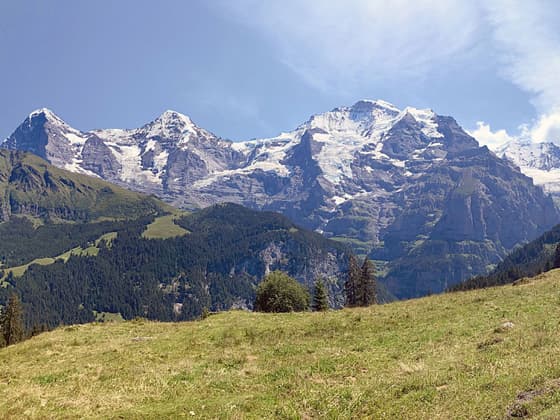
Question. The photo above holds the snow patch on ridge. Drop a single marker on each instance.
(427, 119)
(268, 157)
(343, 133)
(350, 129)
(540, 161)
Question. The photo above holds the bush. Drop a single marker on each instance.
(280, 293)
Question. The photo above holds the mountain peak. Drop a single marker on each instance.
(46, 113)
(170, 116)
(174, 127)
(377, 103)
(171, 121)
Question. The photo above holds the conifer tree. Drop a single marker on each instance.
(11, 321)
(352, 281)
(320, 298)
(366, 287)
(556, 262)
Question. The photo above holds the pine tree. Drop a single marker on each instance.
(320, 298)
(11, 321)
(351, 284)
(366, 287)
(556, 261)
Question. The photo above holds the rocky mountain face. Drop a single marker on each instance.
(408, 187)
(536, 257)
(540, 161)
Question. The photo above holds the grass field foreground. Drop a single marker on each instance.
(470, 355)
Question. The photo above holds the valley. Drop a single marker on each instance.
(240, 209)
(407, 187)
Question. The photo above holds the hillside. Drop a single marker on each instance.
(408, 187)
(527, 261)
(76, 247)
(46, 212)
(440, 357)
(29, 186)
(210, 259)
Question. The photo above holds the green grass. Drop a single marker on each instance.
(164, 227)
(21, 269)
(92, 250)
(440, 357)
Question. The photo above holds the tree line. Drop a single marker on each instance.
(539, 256)
(278, 292)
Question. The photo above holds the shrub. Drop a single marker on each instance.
(281, 293)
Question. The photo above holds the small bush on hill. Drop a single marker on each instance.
(281, 293)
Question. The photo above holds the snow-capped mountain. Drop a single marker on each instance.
(408, 187)
(159, 157)
(540, 161)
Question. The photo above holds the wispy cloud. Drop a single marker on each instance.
(527, 38)
(336, 45)
(352, 45)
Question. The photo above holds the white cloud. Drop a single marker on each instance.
(348, 46)
(527, 34)
(528, 41)
(547, 128)
(342, 45)
(487, 137)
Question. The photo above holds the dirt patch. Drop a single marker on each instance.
(521, 405)
(506, 326)
(489, 343)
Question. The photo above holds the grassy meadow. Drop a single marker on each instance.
(91, 250)
(164, 227)
(491, 354)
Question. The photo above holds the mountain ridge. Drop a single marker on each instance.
(389, 182)
(540, 161)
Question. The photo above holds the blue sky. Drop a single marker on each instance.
(253, 68)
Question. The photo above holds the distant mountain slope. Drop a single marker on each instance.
(227, 251)
(527, 261)
(32, 187)
(95, 244)
(408, 187)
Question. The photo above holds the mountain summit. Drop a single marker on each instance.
(406, 186)
(540, 161)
